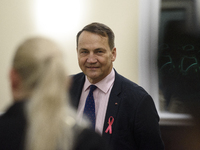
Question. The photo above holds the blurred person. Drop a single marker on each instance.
(125, 114)
(40, 117)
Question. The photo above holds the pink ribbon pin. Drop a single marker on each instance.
(110, 122)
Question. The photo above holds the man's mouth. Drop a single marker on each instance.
(92, 67)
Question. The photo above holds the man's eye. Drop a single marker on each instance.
(100, 51)
(83, 52)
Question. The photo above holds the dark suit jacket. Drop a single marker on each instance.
(135, 117)
(13, 129)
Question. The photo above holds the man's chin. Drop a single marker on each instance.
(93, 77)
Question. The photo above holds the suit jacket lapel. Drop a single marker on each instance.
(76, 89)
(113, 105)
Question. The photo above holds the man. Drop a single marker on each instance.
(126, 116)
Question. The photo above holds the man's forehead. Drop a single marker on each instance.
(89, 37)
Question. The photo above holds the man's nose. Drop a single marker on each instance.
(91, 58)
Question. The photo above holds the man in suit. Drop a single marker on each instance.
(125, 113)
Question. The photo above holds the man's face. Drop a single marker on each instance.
(94, 56)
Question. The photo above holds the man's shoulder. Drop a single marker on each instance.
(77, 81)
(125, 81)
(129, 85)
(77, 77)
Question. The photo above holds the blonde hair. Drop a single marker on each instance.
(40, 64)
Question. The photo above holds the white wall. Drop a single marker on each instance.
(61, 21)
(15, 25)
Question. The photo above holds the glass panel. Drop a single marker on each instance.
(178, 60)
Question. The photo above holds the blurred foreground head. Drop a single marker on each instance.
(38, 78)
(38, 67)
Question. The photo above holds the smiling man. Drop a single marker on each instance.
(95, 56)
(119, 110)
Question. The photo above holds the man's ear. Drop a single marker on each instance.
(114, 54)
(15, 79)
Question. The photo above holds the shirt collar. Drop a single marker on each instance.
(105, 84)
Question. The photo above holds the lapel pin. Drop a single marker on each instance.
(116, 103)
(110, 122)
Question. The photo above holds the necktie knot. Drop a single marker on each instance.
(92, 88)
